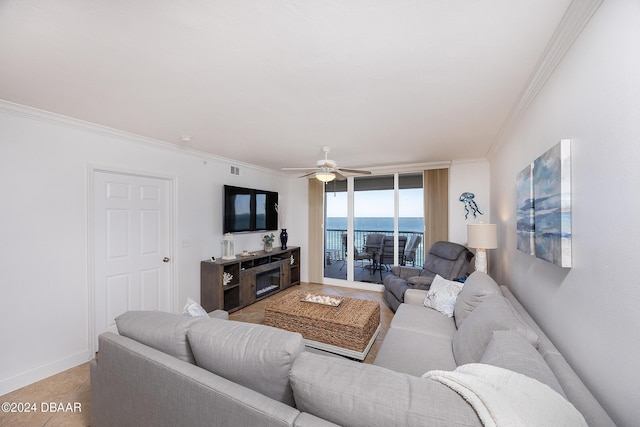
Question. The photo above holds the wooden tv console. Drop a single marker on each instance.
(251, 278)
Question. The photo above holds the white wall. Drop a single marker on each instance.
(44, 163)
(591, 310)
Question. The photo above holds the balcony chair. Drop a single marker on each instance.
(412, 247)
(386, 256)
(357, 255)
(447, 259)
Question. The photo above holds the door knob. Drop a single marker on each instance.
(165, 259)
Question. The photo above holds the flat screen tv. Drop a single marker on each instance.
(247, 209)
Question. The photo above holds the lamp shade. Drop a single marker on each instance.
(482, 235)
(325, 176)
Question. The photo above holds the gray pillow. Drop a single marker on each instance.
(493, 314)
(509, 350)
(166, 332)
(477, 287)
(256, 356)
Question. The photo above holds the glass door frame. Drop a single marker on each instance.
(349, 282)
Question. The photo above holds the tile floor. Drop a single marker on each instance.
(69, 387)
(73, 386)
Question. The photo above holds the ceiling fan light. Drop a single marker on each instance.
(325, 176)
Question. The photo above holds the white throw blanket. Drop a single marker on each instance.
(503, 398)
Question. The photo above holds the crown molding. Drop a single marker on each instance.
(573, 22)
(31, 113)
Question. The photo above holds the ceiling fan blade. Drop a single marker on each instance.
(355, 171)
(298, 169)
(307, 174)
(339, 176)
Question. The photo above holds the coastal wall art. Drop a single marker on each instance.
(544, 206)
(524, 216)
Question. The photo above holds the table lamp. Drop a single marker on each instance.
(481, 237)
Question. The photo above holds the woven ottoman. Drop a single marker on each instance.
(348, 329)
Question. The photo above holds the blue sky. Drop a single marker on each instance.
(378, 203)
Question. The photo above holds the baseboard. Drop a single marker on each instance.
(355, 285)
(26, 378)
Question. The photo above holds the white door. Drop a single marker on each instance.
(132, 253)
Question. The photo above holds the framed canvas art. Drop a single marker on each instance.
(525, 226)
(552, 204)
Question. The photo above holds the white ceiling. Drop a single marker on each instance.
(271, 82)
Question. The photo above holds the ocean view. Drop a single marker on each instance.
(405, 224)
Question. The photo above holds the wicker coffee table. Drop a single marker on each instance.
(348, 329)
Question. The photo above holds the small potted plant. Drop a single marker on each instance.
(267, 239)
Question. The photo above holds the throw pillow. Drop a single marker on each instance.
(442, 295)
(477, 287)
(193, 309)
(493, 314)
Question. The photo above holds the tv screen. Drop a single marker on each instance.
(247, 209)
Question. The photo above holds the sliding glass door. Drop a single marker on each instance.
(369, 221)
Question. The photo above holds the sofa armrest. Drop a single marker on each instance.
(308, 420)
(219, 314)
(175, 392)
(414, 296)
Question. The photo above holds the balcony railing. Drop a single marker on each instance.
(334, 246)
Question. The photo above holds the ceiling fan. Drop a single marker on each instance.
(327, 170)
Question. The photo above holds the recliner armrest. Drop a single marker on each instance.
(420, 282)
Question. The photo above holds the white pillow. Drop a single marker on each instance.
(193, 309)
(442, 295)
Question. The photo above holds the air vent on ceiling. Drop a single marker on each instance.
(235, 170)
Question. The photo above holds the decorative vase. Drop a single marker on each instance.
(283, 238)
(268, 247)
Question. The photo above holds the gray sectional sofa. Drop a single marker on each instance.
(170, 370)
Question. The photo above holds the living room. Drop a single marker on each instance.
(590, 97)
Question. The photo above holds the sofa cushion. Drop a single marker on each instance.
(476, 288)
(493, 314)
(256, 356)
(166, 332)
(426, 321)
(442, 295)
(414, 353)
(358, 394)
(510, 350)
